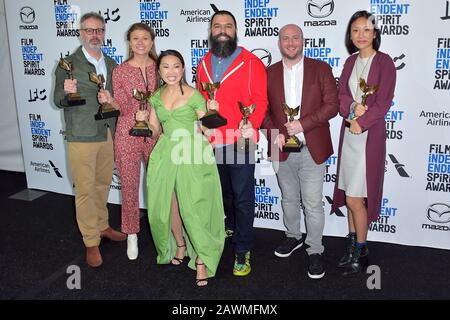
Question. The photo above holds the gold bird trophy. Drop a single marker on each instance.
(140, 128)
(293, 144)
(105, 110)
(367, 91)
(73, 99)
(245, 145)
(212, 119)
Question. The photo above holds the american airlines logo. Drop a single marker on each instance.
(213, 6)
(55, 169)
(399, 166)
(319, 9)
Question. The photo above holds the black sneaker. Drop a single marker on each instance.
(289, 245)
(316, 269)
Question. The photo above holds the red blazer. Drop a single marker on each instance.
(319, 104)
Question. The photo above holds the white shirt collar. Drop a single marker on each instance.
(90, 58)
(295, 67)
(100, 65)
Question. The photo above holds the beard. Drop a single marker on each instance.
(222, 49)
(291, 56)
(94, 44)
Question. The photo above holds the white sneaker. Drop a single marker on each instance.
(132, 246)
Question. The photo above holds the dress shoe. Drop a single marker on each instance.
(132, 246)
(93, 257)
(113, 235)
(347, 257)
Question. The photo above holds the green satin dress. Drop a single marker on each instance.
(183, 162)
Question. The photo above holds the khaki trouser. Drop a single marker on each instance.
(91, 165)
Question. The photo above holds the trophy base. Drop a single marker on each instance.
(141, 132)
(76, 102)
(295, 148)
(107, 115)
(293, 144)
(213, 120)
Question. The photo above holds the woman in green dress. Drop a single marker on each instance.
(182, 174)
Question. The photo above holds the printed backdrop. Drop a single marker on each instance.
(416, 203)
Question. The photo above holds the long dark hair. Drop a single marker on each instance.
(175, 53)
(351, 48)
(142, 26)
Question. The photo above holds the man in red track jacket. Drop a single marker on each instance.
(242, 78)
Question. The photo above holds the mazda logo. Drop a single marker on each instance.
(439, 212)
(264, 55)
(27, 15)
(116, 177)
(319, 9)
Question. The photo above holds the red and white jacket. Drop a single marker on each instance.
(244, 81)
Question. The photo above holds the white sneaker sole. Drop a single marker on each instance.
(132, 257)
(132, 249)
(316, 276)
(285, 255)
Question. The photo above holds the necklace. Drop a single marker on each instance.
(365, 65)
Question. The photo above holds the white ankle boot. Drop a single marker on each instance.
(132, 246)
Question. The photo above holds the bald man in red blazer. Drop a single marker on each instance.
(319, 103)
(300, 81)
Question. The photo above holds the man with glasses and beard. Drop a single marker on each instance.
(243, 81)
(89, 141)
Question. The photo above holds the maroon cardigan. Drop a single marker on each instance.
(382, 73)
(319, 104)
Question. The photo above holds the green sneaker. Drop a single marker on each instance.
(242, 264)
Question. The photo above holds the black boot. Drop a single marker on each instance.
(358, 263)
(351, 242)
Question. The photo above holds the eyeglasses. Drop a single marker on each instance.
(91, 31)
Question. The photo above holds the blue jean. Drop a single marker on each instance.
(237, 178)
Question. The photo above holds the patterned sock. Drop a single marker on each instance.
(361, 245)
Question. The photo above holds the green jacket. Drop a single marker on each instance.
(80, 123)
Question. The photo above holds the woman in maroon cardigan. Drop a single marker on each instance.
(366, 90)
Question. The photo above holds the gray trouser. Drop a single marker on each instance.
(301, 183)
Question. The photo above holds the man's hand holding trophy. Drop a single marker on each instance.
(212, 118)
(292, 144)
(70, 84)
(244, 144)
(106, 110)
